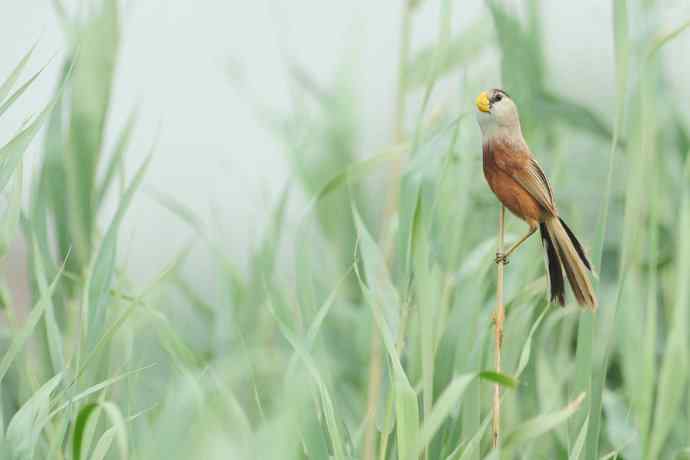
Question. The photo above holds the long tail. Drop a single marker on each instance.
(553, 264)
(564, 250)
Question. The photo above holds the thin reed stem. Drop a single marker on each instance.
(499, 316)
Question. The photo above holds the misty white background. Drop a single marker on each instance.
(212, 151)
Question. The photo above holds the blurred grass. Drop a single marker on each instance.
(275, 364)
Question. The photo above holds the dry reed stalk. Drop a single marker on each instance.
(499, 316)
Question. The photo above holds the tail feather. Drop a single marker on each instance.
(573, 260)
(578, 246)
(553, 263)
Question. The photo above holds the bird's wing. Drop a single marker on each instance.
(522, 167)
(535, 182)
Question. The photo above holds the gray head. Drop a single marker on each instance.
(497, 113)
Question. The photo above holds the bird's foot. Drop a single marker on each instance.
(501, 259)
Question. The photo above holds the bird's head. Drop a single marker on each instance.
(495, 110)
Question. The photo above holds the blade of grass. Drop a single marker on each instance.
(576, 451)
(93, 390)
(9, 224)
(378, 278)
(406, 417)
(20, 337)
(450, 397)
(674, 368)
(316, 324)
(53, 334)
(104, 265)
(472, 447)
(123, 141)
(98, 36)
(608, 316)
(118, 422)
(327, 402)
(103, 445)
(9, 82)
(17, 94)
(407, 411)
(24, 429)
(541, 424)
(426, 283)
(11, 153)
(527, 347)
(104, 339)
(79, 428)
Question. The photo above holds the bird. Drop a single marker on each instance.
(519, 183)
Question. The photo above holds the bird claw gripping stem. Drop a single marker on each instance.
(501, 259)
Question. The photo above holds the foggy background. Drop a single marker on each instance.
(362, 322)
(175, 65)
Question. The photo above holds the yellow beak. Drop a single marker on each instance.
(483, 102)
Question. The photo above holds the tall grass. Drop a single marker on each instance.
(379, 342)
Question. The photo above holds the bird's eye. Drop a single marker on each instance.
(498, 97)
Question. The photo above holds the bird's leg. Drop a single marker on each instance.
(503, 258)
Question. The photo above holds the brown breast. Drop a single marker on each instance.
(499, 162)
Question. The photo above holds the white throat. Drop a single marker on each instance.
(491, 130)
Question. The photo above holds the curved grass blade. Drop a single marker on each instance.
(104, 265)
(17, 94)
(472, 446)
(668, 37)
(527, 347)
(94, 389)
(378, 279)
(11, 153)
(384, 303)
(541, 424)
(327, 401)
(24, 429)
(103, 445)
(450, 397)
(9, 82)
(53, 334)
(19, 339)
(118, 421)
(579, 442)
(83, 419)
(315, 326)
(80, 428)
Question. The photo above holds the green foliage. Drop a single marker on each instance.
(523, 70)
(365, 330)
(74, 145)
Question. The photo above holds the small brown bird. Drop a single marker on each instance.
(520, 184)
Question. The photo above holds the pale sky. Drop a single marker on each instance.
(212, 150)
